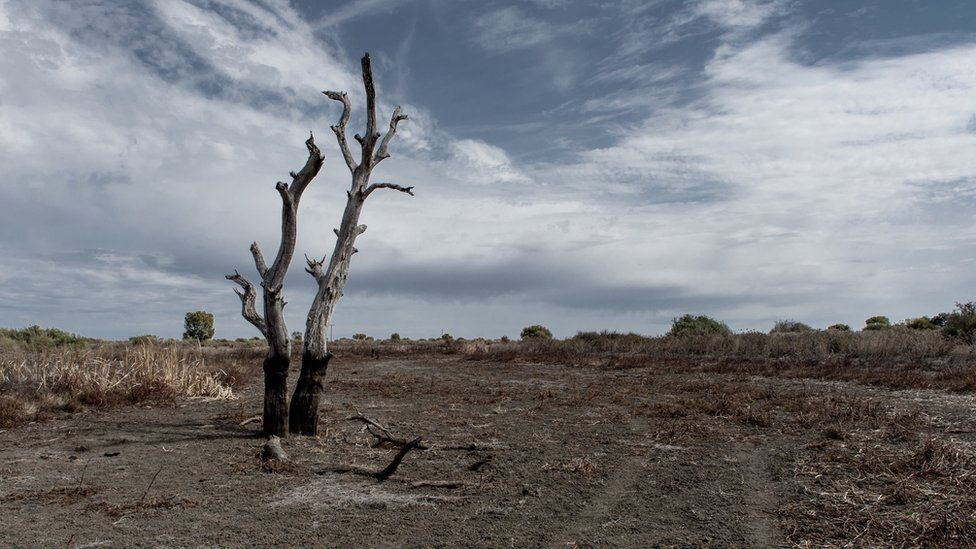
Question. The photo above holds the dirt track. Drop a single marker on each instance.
(570, 457)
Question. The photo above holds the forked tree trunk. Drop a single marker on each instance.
(272, 324)
(331, 281)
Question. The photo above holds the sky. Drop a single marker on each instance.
(584, 165)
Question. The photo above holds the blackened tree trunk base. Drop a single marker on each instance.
(304, 416)
(276, 396)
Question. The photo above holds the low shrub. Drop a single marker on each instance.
(36, 338)
(145, 339)
(790, 327)
(395, 337)
(920, 323)
(536, 331)
(840, 327)
(877, 323)
(701, 325)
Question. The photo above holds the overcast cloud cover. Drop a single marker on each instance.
(578, 164)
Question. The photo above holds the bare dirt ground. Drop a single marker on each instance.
(538, 455)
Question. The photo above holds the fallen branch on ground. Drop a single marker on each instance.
(382, 435)
(250, 420)
(437, 484)
(386, 472)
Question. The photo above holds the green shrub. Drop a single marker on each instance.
(961, 323)
(145, 339)
(198, 325)
(877, 323)
(360, 336)
(790, 327)
(504, 339)
(35, 337)
(920, 323)
(839, 328)
(395, 337)
(536, 331)
(447, 338)
(297, 336)
(691, 325)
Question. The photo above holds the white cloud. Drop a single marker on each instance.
(740, 15)
(485, 163)
(818, 180)
(510, 28)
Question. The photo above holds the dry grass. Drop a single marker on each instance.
(896, 358)
(37, 385)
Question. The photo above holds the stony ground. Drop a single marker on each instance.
(531, 455)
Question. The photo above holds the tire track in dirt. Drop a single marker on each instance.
(598, 510)
(759, 502)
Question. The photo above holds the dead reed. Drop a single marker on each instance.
(36, 385)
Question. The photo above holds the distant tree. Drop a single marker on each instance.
(447, 338)
(198, 325)
(297, 336)
(839, 328)
(504, 339)
(360, 336)
(691, 325)
(877, 323)
(536, 331)
(790, 327)
(395, 336)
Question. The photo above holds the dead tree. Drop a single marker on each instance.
(272, 324)
(332, 280)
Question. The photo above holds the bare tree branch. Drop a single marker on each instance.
(309, 171)
(290, 196)
(394, 120)
(374, 186)
(340, 128)
(248, 299)
(368, 141)
(259, 260)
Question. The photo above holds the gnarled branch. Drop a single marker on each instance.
(374, 186)
(394, 120)
(259, 260)
(315, 268)
(248, 299)
(340, 129)
(309, 170)
(290, 196)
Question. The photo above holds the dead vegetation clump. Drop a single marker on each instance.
(919, 494)
(37, 385)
